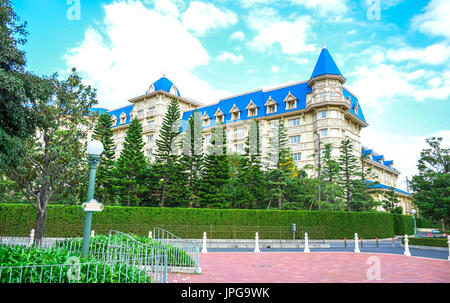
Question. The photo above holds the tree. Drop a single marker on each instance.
(390, 201)
(349, 170)
(17, 89)
(103, 132)
(173, 178)
(131, 168)
(330, 191)
(432, 184)
(249, 185)
(192, 159)
(279, 163)
(216, 172)
(55, 156)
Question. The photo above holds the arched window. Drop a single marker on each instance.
(174, 90)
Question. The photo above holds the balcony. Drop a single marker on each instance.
(319, 101)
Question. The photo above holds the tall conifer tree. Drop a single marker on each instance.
(103, 132)
(131, 167)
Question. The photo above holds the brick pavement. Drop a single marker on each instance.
(315, 267)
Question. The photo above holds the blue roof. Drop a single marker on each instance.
(325, 65)
(376, 157)
(355, 104)
(164, 84)
(117, 112)
(382, 186)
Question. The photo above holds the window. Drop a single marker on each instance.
(140, 114)
(291, 104)
(116, 136)
(343, 133)
(151, 111)
(148, 152)
(294, 122)
(352, 128)
(297, 156)
(206, 122)
(219, 118)
(294, 139)
(321, 83)
(208, 138)
(151, 123)
(252, 112)
(333, 113)
(149, 138)
(271, 109)
(323, 114)
(332, 82)
(323, 133)
(335, 152)
(334, 132)
(239, 147)
(239, 132)
(235, 115)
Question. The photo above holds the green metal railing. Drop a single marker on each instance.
(116, 258)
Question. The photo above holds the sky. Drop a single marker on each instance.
(395, 54)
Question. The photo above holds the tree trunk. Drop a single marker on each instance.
(39, 230)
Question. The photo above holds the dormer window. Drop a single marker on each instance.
(252, 109)
(356, 108)
(174, 90)
(291, 101)
(151, 89)
(123, 118)
(206, 121)
(219, 115)
(114, 120)
(271, 106)
(235, 113)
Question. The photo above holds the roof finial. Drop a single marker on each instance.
(324, 46)
(164, 74)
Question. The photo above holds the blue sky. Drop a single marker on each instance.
(394, 53)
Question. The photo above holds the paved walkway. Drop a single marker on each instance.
(315, 267)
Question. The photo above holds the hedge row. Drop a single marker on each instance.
(438, 242)
(425, 223)
(62, 221)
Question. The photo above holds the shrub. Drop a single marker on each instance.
(438, 242)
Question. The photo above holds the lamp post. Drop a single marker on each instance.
(413, 211)
(94, 149)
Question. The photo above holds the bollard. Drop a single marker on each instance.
(256, 243)
(448, 241)
(92, 233)
(31, 238)
(356, 243)
(376, 240)
(407, 253)
(204, 250)
(393, 240)
(345, 242)
(306, 243)
(362, 242)
(150, 234)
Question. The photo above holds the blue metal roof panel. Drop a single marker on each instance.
(325, 65)
(117, 112)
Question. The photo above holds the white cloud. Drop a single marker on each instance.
(226, 56)
(248, 3)
(324, 7)
(121, 62)
(434, 54)
(167, 7)
(201, 17)
(239, 35)
(275, 69)
(299, 60)
(435, 20)
(395, 147)
(271, 30)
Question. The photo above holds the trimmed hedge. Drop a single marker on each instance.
(425, 223)
(438, 242)
(403, 224)
(64, 221)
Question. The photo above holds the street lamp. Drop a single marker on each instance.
(413, 211)
(94, 149)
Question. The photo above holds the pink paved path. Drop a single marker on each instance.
(317, 267)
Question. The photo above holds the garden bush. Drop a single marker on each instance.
(67, 221)
(438, 242)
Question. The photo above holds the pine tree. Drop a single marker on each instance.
(192, 159)
(173, 178)
(250, 182)
(349, 168)
(216, 173)
(131, 168)
(331, 191)
(103, 132)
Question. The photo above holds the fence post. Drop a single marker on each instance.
(31, 238)
(204, 250)
(356, 243)
(306, 243)
(92, 233)
(256, 243)
(407, 253)
(150, 234)
(448, 242)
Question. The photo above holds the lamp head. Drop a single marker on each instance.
(413, 211)
(95, 147)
